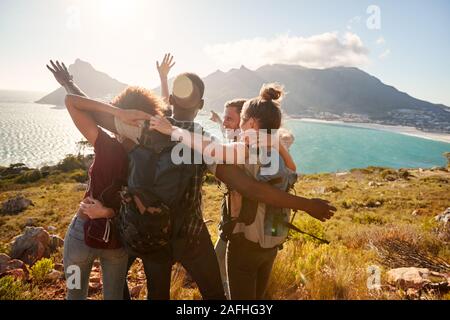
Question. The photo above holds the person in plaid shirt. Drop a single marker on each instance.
(193, 247)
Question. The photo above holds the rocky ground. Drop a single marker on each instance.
(388, 240)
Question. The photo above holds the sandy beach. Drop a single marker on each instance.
(410, 131)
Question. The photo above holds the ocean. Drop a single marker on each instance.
(40, 135)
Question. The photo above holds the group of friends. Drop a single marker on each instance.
(141, 203)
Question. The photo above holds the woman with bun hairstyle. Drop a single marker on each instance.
(253, 243)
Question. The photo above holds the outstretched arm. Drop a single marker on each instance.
(230, 153)
(217, 119)
(64, 78)
(104, 113)
(163, 70)
(236, 178)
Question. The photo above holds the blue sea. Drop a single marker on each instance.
(42, 134)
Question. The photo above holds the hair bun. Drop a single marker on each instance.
(271, 91)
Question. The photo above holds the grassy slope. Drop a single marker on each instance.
(304, 269)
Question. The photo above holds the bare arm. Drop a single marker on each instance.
(163, 70)
(104, 113)
(288, 160)
(217, 119)
(236, 178)
(64, 78)
(230, 153)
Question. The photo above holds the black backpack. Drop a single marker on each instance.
(152, 208)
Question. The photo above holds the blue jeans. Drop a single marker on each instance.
(78, 254)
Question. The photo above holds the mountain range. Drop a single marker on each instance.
(341, 93)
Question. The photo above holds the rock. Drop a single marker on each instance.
(443, 229)
(55, 275)
(342, 174)
(444, 217)
(17, 274)
(51, 229)
(136, 291)
(16, 264)
(11, 265)
(413, 294)
(16, 205)
(405, 278)
(32, 245)
(4, 258)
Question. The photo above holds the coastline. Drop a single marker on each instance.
(409, 131)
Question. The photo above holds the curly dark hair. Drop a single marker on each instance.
(142, 99)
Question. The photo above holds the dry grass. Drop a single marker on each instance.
(375, 206)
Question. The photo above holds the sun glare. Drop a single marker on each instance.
(116, 9)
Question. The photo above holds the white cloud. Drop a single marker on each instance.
(380, 41)
(385, 54)
(319, 51)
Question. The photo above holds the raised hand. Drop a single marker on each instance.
(132, 117)
(320, 209)
(161, 124)
(60, 72)
(165, 66)
(215, 117)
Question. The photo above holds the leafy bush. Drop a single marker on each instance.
(389, 174)
(41, 269)
(29, 176)
(310, 225)
(70, 163)
(369, 218)
(79, 175)
(11, 289)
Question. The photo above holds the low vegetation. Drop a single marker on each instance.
(381, 213)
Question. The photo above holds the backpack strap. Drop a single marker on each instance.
(249, 207)
(296, 229)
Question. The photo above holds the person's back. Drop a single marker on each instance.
(189, 243)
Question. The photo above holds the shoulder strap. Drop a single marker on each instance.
(296, 229)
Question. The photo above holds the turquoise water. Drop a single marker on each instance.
(40, 134)
(331, 147)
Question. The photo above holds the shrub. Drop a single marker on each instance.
(310, 225)
(368, 218)
(389, 174)
(79, 175)
(41, 269)
(11, 289)
(29, 176)
(318, 272)
(70, 163)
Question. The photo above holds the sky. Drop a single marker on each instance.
(405, 43)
